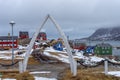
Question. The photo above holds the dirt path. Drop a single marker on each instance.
(54, 68)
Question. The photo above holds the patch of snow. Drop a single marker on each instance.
(44, 43)
(63, 59)
(115, 73)
(62, 55)
(7, 51)
(78, 55)
(41, 72)
(6, 58)
(43, 78)
(92, 60)
(113, 60)
(37, 43)
(22, 55)
(36, 78)
(96, 59)
(50, 49)
(22, 47)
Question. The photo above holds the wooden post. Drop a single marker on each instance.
(21, 66)
(106, 66)
(75, 68)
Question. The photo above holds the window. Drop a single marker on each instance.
(103, 51)
(14, 44)
(102, 47)
(107, 51)
(97, 51)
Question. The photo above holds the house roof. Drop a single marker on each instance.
(104, 45)
(23, 32)
(8, 37)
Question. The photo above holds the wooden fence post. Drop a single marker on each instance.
(106, 66)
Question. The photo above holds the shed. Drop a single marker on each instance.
(103, 49)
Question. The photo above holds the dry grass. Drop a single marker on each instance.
(9, 71)
(32, 61)
(24, 76)
(8, 75)
(57, 54)
(88, 74)
(7, 54)
(54, 53)
(18, 76)
(7, 61)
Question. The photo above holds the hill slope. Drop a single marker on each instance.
(106, 34)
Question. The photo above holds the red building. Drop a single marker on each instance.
(23, 34)
(42, 36)
(76, 44)
(6, 42)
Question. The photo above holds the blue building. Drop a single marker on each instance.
(89, 50)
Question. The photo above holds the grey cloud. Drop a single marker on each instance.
(78, 18)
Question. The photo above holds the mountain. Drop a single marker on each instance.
(106, 34)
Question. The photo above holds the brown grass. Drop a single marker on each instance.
(87, 74)
(7, 54)
(24, 76)
(9, 75)
(18, 76)
(4, 71)
(57, 53)
(54, 53)
(32, 61)
(2, 61)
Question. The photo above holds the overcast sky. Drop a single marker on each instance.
(77, 18)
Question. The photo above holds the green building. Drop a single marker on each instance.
(103, 49)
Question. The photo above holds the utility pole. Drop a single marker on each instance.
(12, 23)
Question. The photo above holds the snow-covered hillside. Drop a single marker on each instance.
(106, 34)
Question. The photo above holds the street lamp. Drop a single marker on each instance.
(12, 23)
